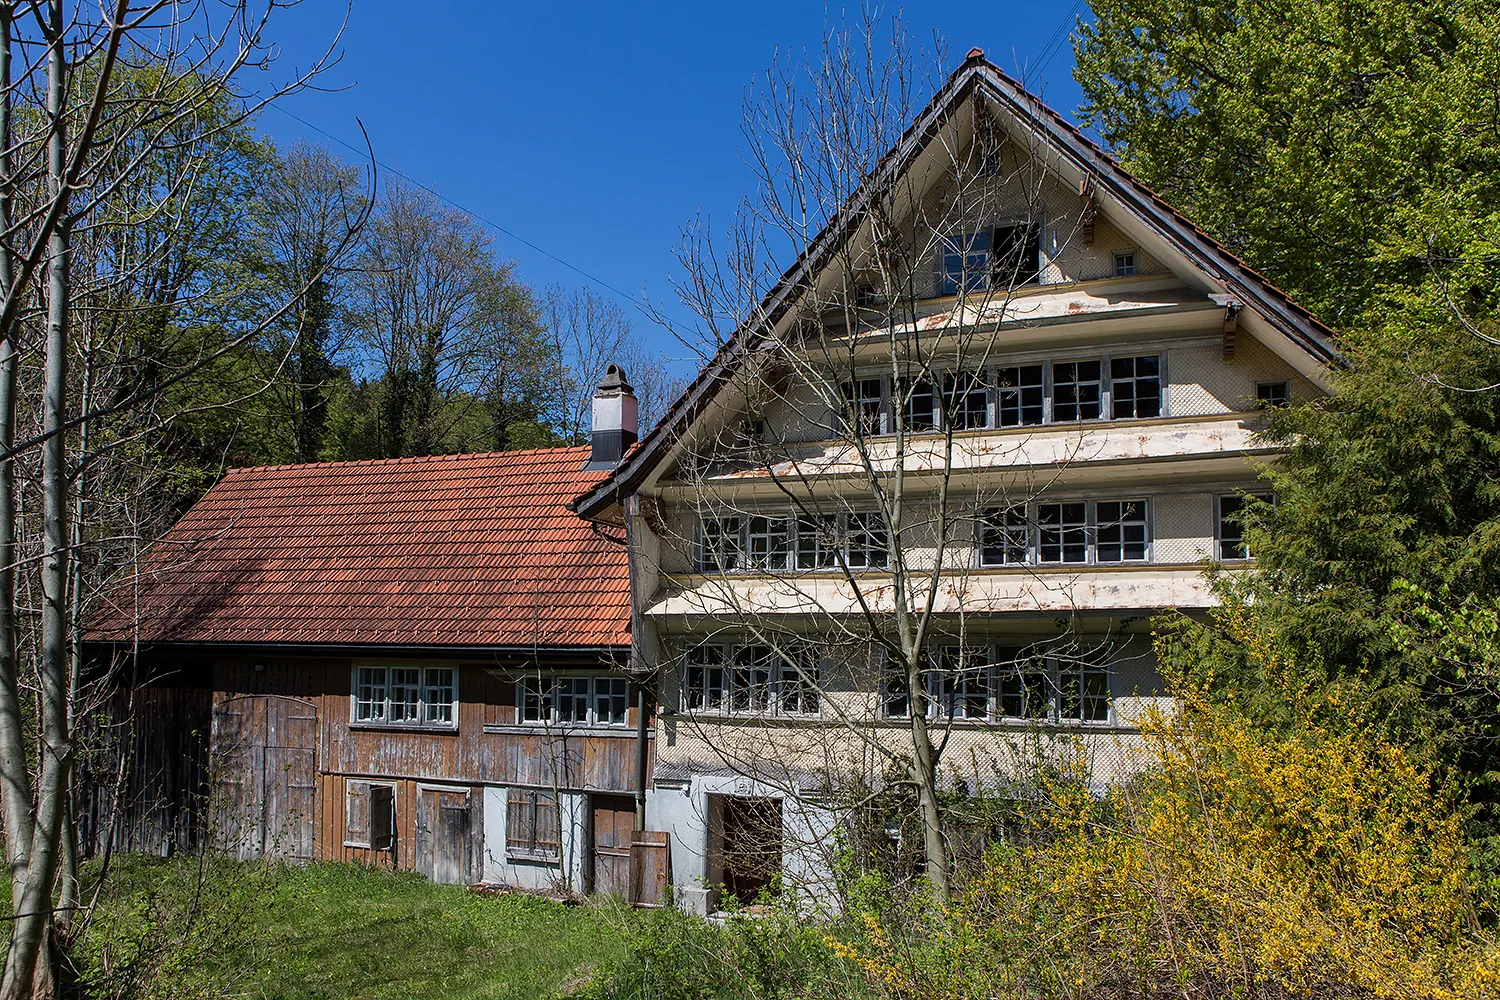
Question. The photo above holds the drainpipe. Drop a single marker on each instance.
(632, 509)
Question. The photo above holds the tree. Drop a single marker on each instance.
(312, 202)
(1349, 151)
(443, 326)
(101, 110)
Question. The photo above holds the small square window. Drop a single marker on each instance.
(966, 263)
(1272, 394)
(770, 542)
(1021, 396)
(1122, 531)
(1231, 525)
(611, 701)
(1004, 537)
(1124, 264)
(1063, 532)
(1135, 387)
(1076, 391)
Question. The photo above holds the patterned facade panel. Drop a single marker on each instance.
(1183, 527)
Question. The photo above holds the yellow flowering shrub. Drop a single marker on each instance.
(1316, 861)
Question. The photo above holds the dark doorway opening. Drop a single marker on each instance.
(745, 845)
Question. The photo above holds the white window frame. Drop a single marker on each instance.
(424, 686)
(1219, 539)
(981, 522)
(1132, 269)
(550, 691)
(369, 783)
(731, 659)
(1053, 668)
(1267, 384)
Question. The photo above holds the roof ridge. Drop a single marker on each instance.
(407, 459)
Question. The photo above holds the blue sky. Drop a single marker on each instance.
(594, 131)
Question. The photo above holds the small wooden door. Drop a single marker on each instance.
(613, 822)
(443, 836)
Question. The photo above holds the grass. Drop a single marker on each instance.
(197, 929)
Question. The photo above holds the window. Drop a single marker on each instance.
(1231, 523)
(769, 542)
(532, 825)
(895, 699)
(865, 540)
(1022, 396)
(1121, 532)
(817, 542)
(1075, 391)
(751, 679)
(798, 684)
(1135, 386)
(369, 694)
(705, 682)
(1004, 537)
(1272, 394)
(719, 546)
(961, 681)
(406, 696)
(370, 815)
(1124, 264)
(966, 403)
(921, 412)
(573, 700)
(862, 406)
(966, 263)
(1083, 691)
(1063, 532)
(1017, 258)
(1023, 686)
(611, 701)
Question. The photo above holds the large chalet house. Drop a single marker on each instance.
(1008, 426)
(999, 413)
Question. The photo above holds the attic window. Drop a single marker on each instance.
(1272, 394)
(1018, 251)
(966, 263)
(1125, 264)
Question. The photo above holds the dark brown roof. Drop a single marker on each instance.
(471, 551)
(976, 73)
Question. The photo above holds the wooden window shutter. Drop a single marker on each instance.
(382, 817)
(357, 824)
(520, 821)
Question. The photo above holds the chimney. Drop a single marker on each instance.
(616, 419)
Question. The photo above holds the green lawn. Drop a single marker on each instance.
(182, 929)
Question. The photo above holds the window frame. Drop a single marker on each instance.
(422, 706)
(782, 669)
(805, 549)
(531, 798)
(368, 787)
(1265, 388)
(1051, 673)
(1131, 269)
(983, 522)
(549, 693)
(1245, 555)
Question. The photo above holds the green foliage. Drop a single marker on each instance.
(672, 955)
(195, 928)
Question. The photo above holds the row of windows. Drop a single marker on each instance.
(1073, 532)
(573, 701)
(406, 696)
(856, 539)
(1049, 392)
(975, 683)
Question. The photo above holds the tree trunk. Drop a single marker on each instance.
(924, 774)
(28, 962)
(15, 801)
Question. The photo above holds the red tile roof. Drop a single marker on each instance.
(460, 550)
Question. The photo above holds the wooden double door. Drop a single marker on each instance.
(264, 764)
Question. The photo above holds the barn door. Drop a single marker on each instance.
(265, 759)
(443, 836)
(613, 822)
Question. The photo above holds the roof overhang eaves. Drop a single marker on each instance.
(1201, 249)
(472, 651)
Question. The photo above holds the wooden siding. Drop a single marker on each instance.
(487, 748)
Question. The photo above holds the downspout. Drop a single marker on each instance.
(632, 508)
